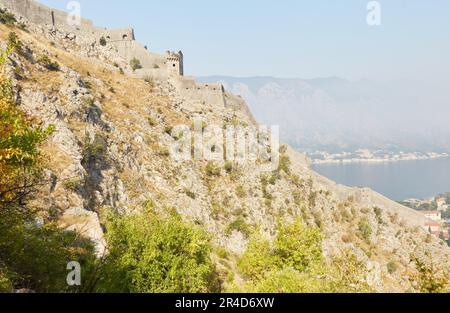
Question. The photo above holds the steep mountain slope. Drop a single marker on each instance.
(111, 149)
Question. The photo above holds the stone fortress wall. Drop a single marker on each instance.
(167, 67)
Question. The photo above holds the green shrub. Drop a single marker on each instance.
(13, 40)
(5, 282)
(392, 267)
(239, 225)
(150, 254)
(228, 167)
(48, 64)
(95, 150)
(285, 163)
(212, 170)
(273, 180)
(222, 253)
(7, 18)
(240, 191)
(378, 215)
(292, 263)
(298, 246)
(31, 256)
(72, 184)
(258, 259)
(429, 278)
(135, 64)
(102, 41)
(190, 194)
(152, 121)
(288, 280)
(364, 228)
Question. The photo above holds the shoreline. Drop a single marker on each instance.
(376, 161)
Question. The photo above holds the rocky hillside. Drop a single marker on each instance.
(111, 150)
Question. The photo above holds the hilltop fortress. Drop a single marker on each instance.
(168, 67)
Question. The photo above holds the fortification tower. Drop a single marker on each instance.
(175, 63)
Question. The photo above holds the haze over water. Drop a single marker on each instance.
(396, 180)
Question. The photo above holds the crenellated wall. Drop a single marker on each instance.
(206, 93)
(169, 66)
(40, 14)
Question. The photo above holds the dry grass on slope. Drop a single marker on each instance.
(119, 93)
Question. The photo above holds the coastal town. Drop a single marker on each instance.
(369, 156)
(437, 213)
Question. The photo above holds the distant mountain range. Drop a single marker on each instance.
(335, 114)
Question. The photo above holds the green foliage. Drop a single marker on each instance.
(378, 215)
(102, 41)
(239, 225)
(150, 254)
(14, 41)
(31, 256)
(429, 278)
(293, 263)
(7, 18)
(46, 62)
(241, 192)
(5, 282)
(37, 256)
(212, 170)
(348, 273)
(19, 154)
(364, 228)
(228, 167)
(135, 64)
(222, 253)
(392, 267)
(190, 194)
(72, 184)
(285, 164)
(298, 246)
(288, 280)
(295, 246)
(258, 259)
(95, 150)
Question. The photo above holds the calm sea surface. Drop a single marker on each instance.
(396, 180)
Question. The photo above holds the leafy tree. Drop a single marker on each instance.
(36, 256)
(5, 283)
(293, 263)
(298, 246)
(429, 278)
(150, 254)
(19, 153)
(32, 256)
(258, 259)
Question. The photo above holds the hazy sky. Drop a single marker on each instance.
(289, 38)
